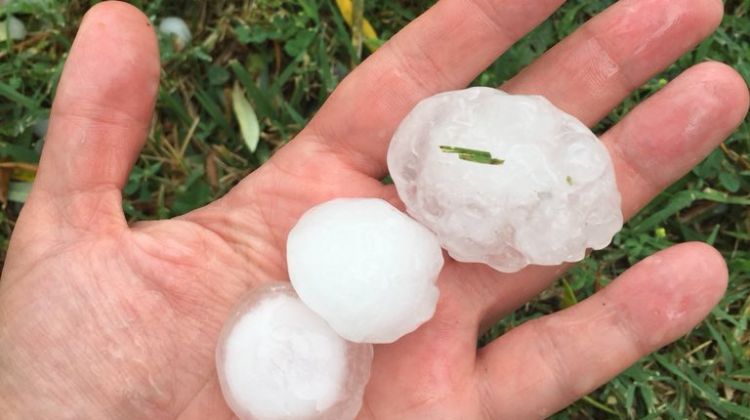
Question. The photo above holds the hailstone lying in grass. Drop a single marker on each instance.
(366, 268)
(40, 127)
(177, 29)
(505, 180)
(276, 359)
(12, 28)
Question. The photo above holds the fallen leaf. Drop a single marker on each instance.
(371, 37)
(243, 111)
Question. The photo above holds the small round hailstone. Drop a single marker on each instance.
(178, 29)
(277, 359)
(505, 180)
(368, 269)
(12, 28)
(40, 127)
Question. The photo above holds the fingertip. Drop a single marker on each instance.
(707, 267)
(122, 37)
(124, 17)
(725, 84)
(712, 12)
(670, 292)
(119, 14)
(672, 131)
(114, 64)
(121, 6)
(695, 267)
(119, 10)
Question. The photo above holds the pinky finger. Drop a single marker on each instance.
(547, 364)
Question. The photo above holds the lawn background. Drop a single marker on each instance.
(289, 55)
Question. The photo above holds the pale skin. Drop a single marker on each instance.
(99, 319)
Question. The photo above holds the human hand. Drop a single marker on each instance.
(102, 320)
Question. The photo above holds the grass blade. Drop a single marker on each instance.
(8, 92)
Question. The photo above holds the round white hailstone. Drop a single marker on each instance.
(178, 29)
(276, 359)
(368, 269)
(40, 130)
(534, 187)
(12, 28)
(40, 127)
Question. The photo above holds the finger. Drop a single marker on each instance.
(100, 115)
(658, 142)
(595, 68)
(653, 148)
(547, 364)
(444, 49)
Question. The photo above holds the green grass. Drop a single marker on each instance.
(289, 56)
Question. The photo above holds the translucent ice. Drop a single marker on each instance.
(365, 267)
(276, 359)
(516, 181)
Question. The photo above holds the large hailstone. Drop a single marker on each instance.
(505, 180)
(276, 359)
(365, 267)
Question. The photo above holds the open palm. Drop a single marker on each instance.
(99, 319)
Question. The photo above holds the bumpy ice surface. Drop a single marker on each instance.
(365, 267)
(276, 359)
(552, 197)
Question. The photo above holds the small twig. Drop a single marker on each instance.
(735, 157)
(19, 165)
(188, 136)
(358, 8)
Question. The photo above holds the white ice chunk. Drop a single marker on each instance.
(365, 267)
(553, 197)
(178, 29)
(277, 359)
